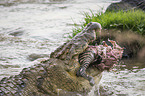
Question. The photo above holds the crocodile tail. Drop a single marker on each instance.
(27, 83)
(10, 86)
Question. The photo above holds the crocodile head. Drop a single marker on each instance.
(94, 26)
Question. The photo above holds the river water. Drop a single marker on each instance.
(34, 28)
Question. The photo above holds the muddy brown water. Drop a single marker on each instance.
(29, 30)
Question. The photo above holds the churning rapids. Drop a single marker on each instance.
(32, 29)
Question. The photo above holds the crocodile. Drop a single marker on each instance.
(102, 57)
(57, 75)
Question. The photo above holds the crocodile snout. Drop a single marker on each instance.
(94, 26)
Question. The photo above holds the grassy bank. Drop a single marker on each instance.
(127, 28)
(131, 20)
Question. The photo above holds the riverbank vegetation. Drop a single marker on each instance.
(130, 20)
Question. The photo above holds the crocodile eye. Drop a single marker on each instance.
(89, 24)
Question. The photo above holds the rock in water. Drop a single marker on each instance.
(126, 5)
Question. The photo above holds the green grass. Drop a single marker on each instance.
(131, 20)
